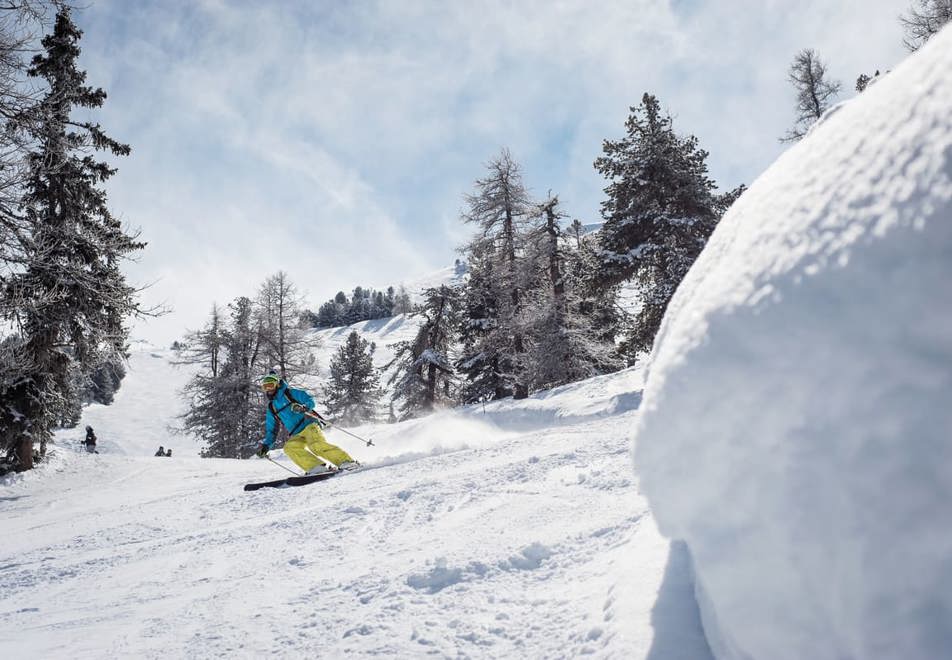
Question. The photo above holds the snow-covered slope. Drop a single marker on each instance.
(450, 276)
(139, 419)
(797, 422)
(149, 400)
(384, 333)
(514, 530)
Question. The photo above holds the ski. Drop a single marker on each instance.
(291, 481)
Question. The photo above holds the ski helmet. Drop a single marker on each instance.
(270, 379)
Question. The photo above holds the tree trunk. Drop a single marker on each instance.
(25, 454)
(519, 389)
(430, 387)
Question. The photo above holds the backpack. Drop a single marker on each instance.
(297, 427)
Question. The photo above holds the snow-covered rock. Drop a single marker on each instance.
(796, 428)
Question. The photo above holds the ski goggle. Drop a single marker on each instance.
(269, 383)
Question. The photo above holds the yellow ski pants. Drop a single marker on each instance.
(308, 447)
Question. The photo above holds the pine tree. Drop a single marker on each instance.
(563, 346)
(104, 381)
(353, 391)
(479, 361)
(71, 299)
(225, 409)
(204, 350)
(286, 343)
(359, 309)
(598, 300)
(401, 302)
(242, 424)
(365, 305)
(925, 18)
(331, 313)
(18, 107)
(863, 81)
(423, 377)
(498, 208)
(815, 94)
(661, 208)
(576, 230)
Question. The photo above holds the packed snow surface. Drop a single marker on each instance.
(796, 429)
(510, 530)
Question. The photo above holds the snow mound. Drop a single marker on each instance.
(796, 428)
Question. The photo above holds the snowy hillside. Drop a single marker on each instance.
(514, 530)
(156, 381)
(383, 333)
(450, 276)
(145, 408)
(812, 343)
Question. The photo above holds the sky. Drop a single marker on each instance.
(336, 141)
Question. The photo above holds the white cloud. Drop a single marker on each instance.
(335, 140)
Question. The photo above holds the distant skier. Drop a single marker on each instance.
(168, 453)
(90, 441)
(161, 451)
(306, 445)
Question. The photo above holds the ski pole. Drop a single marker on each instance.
(282, 466)
(313, 414)
(353, 435)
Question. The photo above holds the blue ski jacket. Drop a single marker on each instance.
(279, 409)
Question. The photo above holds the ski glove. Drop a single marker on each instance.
(298, 407)
(263, 450)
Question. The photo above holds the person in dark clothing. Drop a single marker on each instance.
(161, 451)
(168, 452)
(90, 441)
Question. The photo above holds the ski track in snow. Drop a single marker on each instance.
(534, 545)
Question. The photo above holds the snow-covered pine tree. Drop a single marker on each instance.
(225, 409)
(243, 421)
(498, 207)
(285, 342)
(576, 230)
(353, 392)
(359, 307)
(423, 376)
(18, 104)
(71, 299)
(389, 300)
(660, 211)
(104, 381)
(366, 305)
(598, 301)
(204, 350)
(863, 81)
(479, 361)
(815, 93)
(19, 107)
(401, 302)
(562, 346)
(331, 313)
(925, 18)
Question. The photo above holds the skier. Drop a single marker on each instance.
(168, 453)
(90, 441)
(306, 445)
(161, 451)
